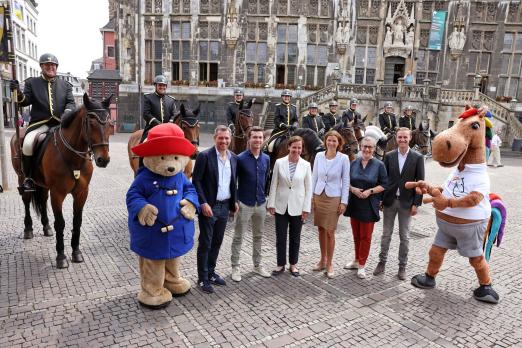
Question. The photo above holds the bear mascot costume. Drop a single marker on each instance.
(162, 204)
(462, 205)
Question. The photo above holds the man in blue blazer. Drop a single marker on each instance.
(214, 178)
(402, 165)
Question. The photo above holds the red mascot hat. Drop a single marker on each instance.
(165, 139)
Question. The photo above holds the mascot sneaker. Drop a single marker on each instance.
(485, 293)
(423, 281)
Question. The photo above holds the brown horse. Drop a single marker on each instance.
(421, 138)
(312, 145)
(66, 167)
(351, 145)
(187, 120)
(244, 121)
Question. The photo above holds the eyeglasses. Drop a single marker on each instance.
(368, 147)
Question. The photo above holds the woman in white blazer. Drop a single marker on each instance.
(290, 200)
(330, 183)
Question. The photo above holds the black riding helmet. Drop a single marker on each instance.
(48, 58)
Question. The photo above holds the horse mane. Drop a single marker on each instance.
(309, 137)
(69, 116)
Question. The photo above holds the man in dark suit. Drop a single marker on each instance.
(402, 165)
(214, 178)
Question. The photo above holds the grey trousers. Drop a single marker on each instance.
(246, 213)
(388, 221)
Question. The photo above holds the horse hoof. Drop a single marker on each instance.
(48, 231)
(77, 257)
(28, 234)
(61, 262)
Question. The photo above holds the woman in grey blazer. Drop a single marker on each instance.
(330, 184)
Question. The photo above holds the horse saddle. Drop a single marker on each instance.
(275, 140)
(39, 144)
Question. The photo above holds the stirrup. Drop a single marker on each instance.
(28, 185)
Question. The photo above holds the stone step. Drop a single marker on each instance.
(507, 152)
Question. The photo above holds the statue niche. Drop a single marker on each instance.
(400, 31)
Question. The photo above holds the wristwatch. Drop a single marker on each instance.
(371, 191)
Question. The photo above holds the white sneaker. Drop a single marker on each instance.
(262, 272)
(236, 274)
(353, 265)
(361, 273)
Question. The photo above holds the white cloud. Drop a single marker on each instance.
(70, 29)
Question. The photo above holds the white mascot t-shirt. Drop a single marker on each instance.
(474, 177)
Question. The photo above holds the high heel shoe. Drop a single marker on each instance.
(319, 267)
(277, 272)
(329, 273)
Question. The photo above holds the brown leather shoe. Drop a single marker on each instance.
(380, 268)
(402, 273)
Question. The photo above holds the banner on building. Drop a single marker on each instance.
(4, 47)
(18, 10)
(438, 22)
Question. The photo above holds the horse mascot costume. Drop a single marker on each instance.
(462, 204)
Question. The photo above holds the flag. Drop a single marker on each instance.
(4, 48)
(18, 10)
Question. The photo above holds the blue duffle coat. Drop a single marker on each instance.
(149, 241)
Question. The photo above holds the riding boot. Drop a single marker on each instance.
(28, 184)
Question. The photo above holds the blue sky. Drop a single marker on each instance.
(70, 29)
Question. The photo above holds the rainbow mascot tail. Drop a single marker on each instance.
(495, 231)
(489, 133)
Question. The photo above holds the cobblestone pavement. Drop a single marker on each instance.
(94, 303)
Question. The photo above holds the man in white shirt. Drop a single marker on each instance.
(494, 157)
(402, 165)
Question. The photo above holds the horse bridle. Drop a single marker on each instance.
(86, 127)
(184, 123)
(244, 131)
(347, 147)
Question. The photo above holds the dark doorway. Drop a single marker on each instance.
(393, 69)
(280, 74)
(484, 85)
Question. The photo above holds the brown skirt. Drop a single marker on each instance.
(325, 211)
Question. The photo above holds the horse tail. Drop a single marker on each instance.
(39, 200)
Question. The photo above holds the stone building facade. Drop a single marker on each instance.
(305, 45)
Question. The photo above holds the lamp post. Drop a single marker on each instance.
(298, 101)
(337, 79)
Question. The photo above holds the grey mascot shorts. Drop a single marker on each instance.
(465, 238)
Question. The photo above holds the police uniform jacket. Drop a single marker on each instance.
(233, 108)
(315, 123)
(285, 114)
(388, 122)
(161, 108)
(407, 121)
(349, 116)
(329, 121)
(49, 99)
(151, 188)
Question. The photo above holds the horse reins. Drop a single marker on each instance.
(87, 155)
(243, 131)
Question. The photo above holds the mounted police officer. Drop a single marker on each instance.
(313, 120)
(351, 115)
(285, 118)
(158, 107)
(330, 118)
(49, 97)
(387, 119)
(407, 119)
(233, 108)
(285, 115)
